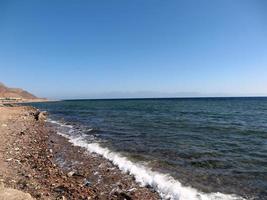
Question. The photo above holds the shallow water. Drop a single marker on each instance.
(211, 144)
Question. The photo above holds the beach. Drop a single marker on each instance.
(36, 160)
(133, 100)
(175, 149)
(184, 148)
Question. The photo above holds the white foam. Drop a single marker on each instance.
(165, 185)
(58, 123)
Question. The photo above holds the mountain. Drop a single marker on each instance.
(6, 92)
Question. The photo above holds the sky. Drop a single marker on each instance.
(64, 49)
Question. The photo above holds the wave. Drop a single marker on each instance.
(59, 123)
(165, 185)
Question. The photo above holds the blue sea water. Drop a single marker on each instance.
(211, 144)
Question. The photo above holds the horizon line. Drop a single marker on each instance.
(140, 98)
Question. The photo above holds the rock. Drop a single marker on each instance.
(4, 125)
(28, 176)
(121, 194)
(18, 161)
(36, 115)
(22, 133)
(71, 173)
(63, 198)
(12, 194)
(132, 189)
(1, 184)
(42, 116)
(61, 189)
(96, 173)
(87, 183)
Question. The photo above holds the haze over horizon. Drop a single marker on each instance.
(111, 49)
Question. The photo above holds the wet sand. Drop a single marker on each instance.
(34, 159)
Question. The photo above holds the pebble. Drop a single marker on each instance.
(87, 183)
(18, 161)
(96, 173)
(71, 173)
(38, 158)
(132, 189)
(28, 176)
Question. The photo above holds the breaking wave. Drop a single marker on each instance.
(165, 185)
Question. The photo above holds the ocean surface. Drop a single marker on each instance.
(185, 148)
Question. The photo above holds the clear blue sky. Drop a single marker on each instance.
(119, 48)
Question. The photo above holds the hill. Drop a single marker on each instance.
(17, 93)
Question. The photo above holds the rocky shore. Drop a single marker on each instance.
(37, 163)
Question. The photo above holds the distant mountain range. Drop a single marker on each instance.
(6, 92)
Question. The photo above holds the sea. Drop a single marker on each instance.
(183, 148)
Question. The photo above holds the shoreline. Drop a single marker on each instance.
(50, 164)
(165, 185)
(24, 101)
(36, 160)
